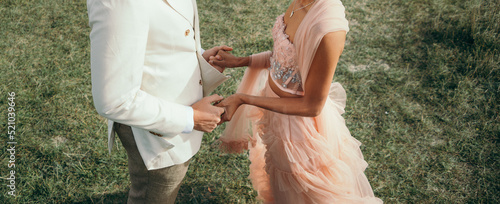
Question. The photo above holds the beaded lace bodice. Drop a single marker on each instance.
(284, 68)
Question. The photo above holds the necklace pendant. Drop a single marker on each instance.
(291, 14)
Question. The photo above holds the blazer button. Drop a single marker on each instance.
(187, 32)
(201, 82)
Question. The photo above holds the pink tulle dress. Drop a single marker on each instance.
(296, 159)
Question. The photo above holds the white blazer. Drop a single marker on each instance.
(147, 71)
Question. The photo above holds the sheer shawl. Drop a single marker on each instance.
(325, 16)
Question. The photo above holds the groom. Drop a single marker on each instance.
(149, 76)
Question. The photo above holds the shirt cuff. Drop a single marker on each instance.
(190, 121)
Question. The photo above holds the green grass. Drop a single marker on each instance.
(422, 78)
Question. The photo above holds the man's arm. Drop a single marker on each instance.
(118, 44)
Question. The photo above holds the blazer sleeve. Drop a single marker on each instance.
(118, 38)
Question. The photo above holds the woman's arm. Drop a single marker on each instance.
(227, 60)
(316, 88)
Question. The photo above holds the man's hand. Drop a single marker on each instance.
(206, 116)
(212, 52)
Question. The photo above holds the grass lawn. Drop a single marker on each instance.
(422, 79)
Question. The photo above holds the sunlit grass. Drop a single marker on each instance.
(422, 79)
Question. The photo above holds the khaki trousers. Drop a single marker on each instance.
(155, 186)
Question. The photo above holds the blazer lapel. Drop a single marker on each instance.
(196, 27)
(180, 8)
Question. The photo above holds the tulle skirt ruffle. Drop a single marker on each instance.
(298, 159)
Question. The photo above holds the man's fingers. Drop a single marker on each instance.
(226, 48)
(216, 122)
(219, 53)
(219, 104)
(220, 110)
(214, 98)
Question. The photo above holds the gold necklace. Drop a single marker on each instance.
(293, 11)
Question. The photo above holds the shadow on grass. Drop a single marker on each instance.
(190, 192)
(117, 197)
(199, 192)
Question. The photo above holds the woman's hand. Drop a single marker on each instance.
(227, 60)
(212, 53)
(230, 105)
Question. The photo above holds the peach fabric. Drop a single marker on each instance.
(284, 67)
(298, 159)
(260, 60)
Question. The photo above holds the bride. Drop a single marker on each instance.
(288, 113)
